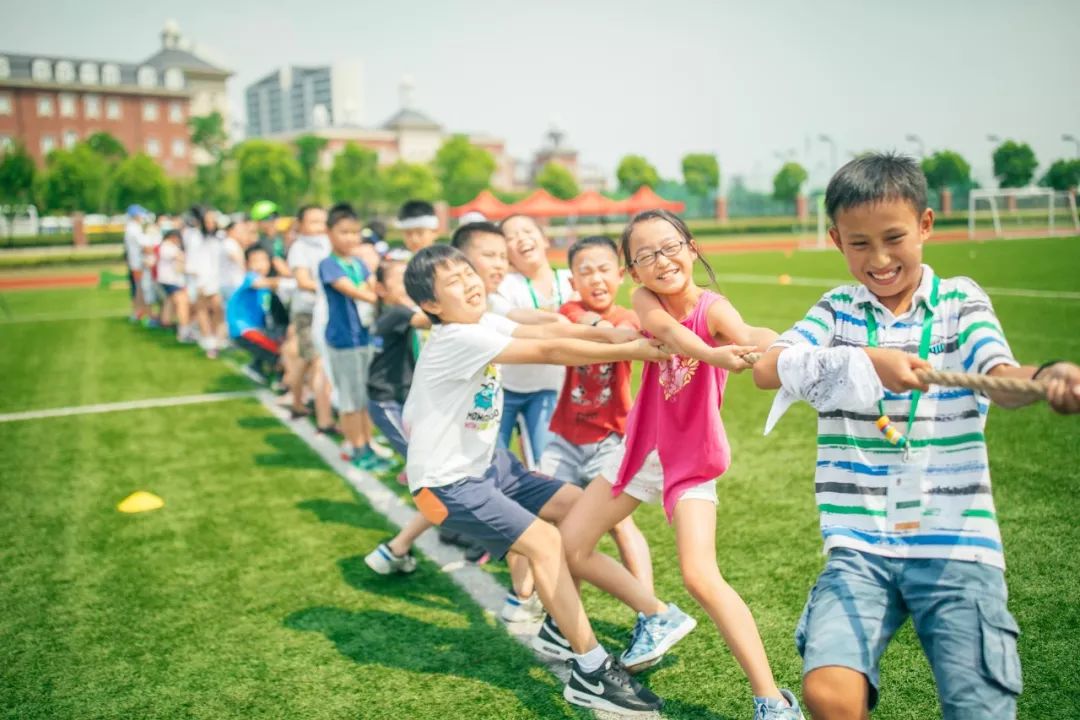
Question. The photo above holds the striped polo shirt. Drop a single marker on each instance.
(855, 463)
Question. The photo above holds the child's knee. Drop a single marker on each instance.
(543, 542)
(702, 581)
(835, 693)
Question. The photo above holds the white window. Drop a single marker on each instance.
(147, 76)
(110, 74)
(5, 103)
(6, 142)
(44, 105)
(174, 78)
(67, 105)
(5, 67)
(153, 147)
(176, 112)
(48, 144)
(112, 109)
(70, 138)
(88, 73)
(41, 70)
(92, 106)
(65, 72)
(179, 148)
(150, 110)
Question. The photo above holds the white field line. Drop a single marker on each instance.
(123, 406)
(62, 317)
(479, 585)
(747, 279)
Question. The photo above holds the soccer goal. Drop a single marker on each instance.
(1030, 211)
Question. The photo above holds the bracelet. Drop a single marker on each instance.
(1043, 367)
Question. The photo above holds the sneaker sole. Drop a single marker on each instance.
(657, 654)
(374, 565)
(520, 617)
(581, 699)
(551, 650)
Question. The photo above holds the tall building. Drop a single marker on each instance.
(295, 98)
(48, 102)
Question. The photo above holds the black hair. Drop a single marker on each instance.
(680, 227)
(339, 212)
(171, 233)
(304, 209)
(463, 236)
(591, 241)
(420, 273)
(254, 249)
(200, 213)
(874, 177)
(415, 209)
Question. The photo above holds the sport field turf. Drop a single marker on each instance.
(247, 597)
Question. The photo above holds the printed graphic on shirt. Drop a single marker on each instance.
(485, 412)
(676, 373)
(602, 376)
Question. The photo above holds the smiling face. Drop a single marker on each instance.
(525, 243)
(655, 270)
(596, 276)
(882, 244)
(459, 294)
(487, 253)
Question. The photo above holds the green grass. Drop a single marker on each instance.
(246, 596)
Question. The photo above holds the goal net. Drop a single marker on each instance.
(1022, 212)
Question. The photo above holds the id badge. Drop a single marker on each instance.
(905, 496)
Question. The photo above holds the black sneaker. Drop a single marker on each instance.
(551, 642)
(610, 688)
(477, 555)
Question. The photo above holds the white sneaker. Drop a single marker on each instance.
(380, 448)
(516, 610)
(383, 561)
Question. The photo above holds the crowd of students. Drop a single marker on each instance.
(448, 350)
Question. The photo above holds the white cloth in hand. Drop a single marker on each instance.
(839, 378)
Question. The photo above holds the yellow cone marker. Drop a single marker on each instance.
(140, 501)
(785, 279)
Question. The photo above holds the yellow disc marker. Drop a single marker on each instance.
(140, 501)
(785, 279)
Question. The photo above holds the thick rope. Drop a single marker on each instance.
(971, 381)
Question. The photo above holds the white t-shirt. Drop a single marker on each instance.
(452, 413)
(133, 244)
(307, 252)
(192, 238)
(168, 260)
(232, 271)
(516, 292)
(208, 262)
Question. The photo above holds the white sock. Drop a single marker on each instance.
(592, 660)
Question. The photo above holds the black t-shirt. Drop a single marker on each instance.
(392, 367)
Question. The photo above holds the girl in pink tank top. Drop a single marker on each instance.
(675, 449)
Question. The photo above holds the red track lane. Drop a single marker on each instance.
(48, 281)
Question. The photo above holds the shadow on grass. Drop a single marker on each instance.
(292, 452)
(258, 423)
(345, 513)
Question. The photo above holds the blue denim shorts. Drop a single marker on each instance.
(959, 612)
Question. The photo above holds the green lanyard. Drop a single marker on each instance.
(555, 286)
(924, 344)
(351, 269)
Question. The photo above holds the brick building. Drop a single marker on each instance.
(49, 102)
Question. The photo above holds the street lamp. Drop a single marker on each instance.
(1068, 137)
(832, 150)
(913, 138)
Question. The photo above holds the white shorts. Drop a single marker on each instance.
(648, 485)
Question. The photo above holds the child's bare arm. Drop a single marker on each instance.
(1062, 381)
(361, 292)
(766, 376)
(726, 324)
(532, 316)
(581, 332)
(681, 340)
(420, 320)
(572, 352)
(304, 281)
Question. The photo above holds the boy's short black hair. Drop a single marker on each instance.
(339, 212)
(420, 273)
(171, 233)
(415, 209)
(591, 241)
(304, 210)
(464, 235)
(874, 177)
(256, 248)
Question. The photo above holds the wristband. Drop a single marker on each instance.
(1043, 367)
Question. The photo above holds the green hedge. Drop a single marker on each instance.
(57, 239)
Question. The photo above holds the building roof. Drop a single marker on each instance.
(20, 66)
(407, 119)
(184, 59)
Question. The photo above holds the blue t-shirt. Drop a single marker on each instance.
(246, 309)
(343, 326)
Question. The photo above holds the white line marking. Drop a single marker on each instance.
(479, 585)
(122, 406)
(62, 317)
(746, 279)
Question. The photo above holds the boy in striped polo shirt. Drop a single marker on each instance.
(909, 522)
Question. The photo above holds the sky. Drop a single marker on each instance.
(756, 83)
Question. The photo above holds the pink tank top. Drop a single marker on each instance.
(677, 413)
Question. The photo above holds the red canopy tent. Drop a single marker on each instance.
(592, 204)
(646, 199)
(542, 204)
(486, 204)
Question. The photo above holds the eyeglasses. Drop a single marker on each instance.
(669, 250)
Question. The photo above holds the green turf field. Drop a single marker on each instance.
(246, 596)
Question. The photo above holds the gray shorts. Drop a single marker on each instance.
(959, 612)
(305, 344)
(492, 510)
(580, 464)
(349, 369)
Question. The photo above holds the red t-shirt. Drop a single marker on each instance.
(595, 399)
